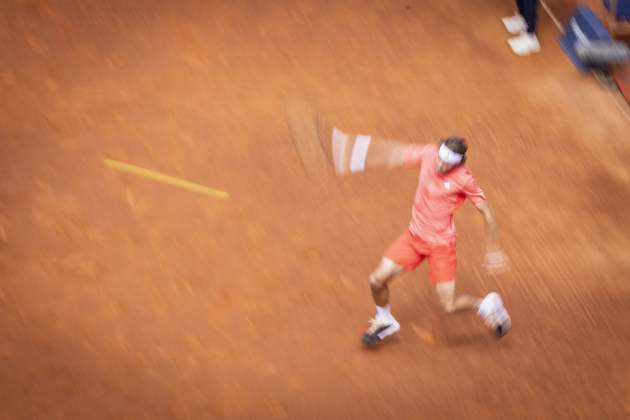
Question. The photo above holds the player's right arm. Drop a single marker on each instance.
(357, 153)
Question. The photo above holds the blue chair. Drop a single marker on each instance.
(583, 27)
(618, 16)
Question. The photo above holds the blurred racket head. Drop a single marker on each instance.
(308, 138)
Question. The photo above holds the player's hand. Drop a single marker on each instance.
(496, 262)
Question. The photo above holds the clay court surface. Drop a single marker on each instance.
(124, 298)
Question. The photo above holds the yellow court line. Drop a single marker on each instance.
(166, 179)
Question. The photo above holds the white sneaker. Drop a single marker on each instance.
(515, 24)
(524, 44)
(494, 314)
(379, 329)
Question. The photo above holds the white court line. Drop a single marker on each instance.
(552, 16)
(623, 106)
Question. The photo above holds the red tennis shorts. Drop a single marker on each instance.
(409, 251)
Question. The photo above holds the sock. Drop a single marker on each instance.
(383, 312)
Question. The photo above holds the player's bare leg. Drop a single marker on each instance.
(490, 308)
(383, 324)
(452, 303)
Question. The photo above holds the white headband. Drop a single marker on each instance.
(448, 156)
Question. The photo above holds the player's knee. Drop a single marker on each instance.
(446, 301)
(376, 281)
(385, 271)
(446, 295)
(448, 306)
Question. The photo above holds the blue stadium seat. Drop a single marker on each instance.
(583, 26)
(623, 9)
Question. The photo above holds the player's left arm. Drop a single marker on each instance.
(491, 225)
(496, 260)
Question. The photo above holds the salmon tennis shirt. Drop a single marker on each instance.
(438, 196)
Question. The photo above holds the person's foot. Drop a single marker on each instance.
(494, 314)
(380, 328)
(515, 24)
(524, 44)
